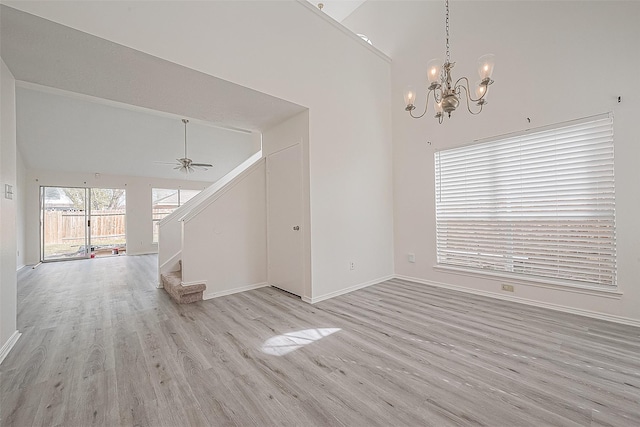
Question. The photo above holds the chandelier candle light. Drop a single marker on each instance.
(447, 95)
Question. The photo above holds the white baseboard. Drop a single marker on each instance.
(20, 267)
(194, 282)
(132, 253)
(209, 295)
(6, 348)
(346, 290)
(556, 307)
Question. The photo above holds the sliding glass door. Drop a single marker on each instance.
(107, 218)
(64, 222)
(81, 223)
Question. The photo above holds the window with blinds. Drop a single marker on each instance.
(537, 204)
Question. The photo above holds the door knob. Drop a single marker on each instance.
(296, 228)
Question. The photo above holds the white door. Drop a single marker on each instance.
(284, 234)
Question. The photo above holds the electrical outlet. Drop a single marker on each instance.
(352, 265)
(508, 288)
(411, 257)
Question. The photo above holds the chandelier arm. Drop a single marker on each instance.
(467, 97)
(435, 96)
(458, 85)
(426, 107)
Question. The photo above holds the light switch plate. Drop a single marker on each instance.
(8, 191)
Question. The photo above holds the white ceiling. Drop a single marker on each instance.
(40, 51)
(338, 9)
(64, 132)
(87, 104)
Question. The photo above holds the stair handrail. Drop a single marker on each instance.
(184, 210)
(221, 191)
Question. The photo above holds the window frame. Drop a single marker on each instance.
(179, 199)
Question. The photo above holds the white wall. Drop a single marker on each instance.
(21, 209)
(556, 61)
(225, 243)
(138, 190)
(8, 292)
(309, 61)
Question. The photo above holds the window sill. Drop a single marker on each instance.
(557, 285)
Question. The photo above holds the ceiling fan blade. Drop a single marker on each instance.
(164, 163)
(204, 165)
(178, 167)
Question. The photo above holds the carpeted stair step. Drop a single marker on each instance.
(172, 283)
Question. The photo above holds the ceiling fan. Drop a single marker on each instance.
(185, 164)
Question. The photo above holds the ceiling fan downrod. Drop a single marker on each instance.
(185, 121)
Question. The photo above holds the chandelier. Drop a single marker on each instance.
(447, 95)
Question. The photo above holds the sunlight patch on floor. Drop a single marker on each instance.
(291, 341)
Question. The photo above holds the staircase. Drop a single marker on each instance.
(172, 283)
(220, 234)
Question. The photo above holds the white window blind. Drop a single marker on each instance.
(538, 204)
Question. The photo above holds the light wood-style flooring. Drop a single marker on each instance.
(102, 346)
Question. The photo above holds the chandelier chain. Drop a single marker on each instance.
(447, 29)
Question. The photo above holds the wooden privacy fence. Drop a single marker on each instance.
(66, 226)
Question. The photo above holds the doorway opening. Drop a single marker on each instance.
(78, 223)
